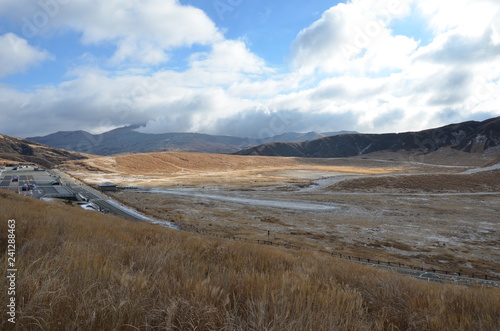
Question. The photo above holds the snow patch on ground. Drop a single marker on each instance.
(89, 206)
(286, 204)
(488, 225)
(477, 170)
(145, 218)
(326, 182)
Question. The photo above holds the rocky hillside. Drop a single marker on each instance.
(470, 137)
(16, 150)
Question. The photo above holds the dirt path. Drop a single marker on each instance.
(275, 203)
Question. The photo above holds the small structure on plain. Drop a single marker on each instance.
(107, 187)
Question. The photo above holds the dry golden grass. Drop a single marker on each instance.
(454, 233)
(87, 271)
(487, 181)
(173, 162)
(171, 168)
(449, 233)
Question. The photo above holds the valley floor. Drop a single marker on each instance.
(439, 216)
(81, 270)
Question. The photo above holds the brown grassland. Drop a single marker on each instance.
(419, 210)
(169, 168)
(488, 181)
(81, 270)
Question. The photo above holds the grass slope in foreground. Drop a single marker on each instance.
(83, 270)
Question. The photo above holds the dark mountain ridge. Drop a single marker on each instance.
(128, 140)
(470, 137)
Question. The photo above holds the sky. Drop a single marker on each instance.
(248, 68)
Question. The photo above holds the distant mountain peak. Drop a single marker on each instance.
(128, 140)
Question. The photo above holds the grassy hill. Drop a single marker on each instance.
(16, 150)
(169, 162)
(83, 270)
(169, 168)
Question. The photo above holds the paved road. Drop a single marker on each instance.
(105, 203)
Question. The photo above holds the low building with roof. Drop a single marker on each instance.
(107, 187)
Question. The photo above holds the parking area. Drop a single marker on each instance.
(32, 181)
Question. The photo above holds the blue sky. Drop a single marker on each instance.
(269, 27)
(246, 68)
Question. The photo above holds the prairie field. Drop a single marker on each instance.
(81, 270)
(438, 211)
(167, 169)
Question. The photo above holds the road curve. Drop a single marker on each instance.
(105, 203)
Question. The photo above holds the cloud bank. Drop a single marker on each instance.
(352, 69)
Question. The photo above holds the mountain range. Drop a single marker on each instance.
(128, 140)
(470, 137)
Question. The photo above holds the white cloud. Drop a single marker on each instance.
(166, 101)
(354, 37)
(419, 85)
(349, 71)
(142, 31)
(16, 55)
(467, 17)
(229, 56)
(453, 48)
